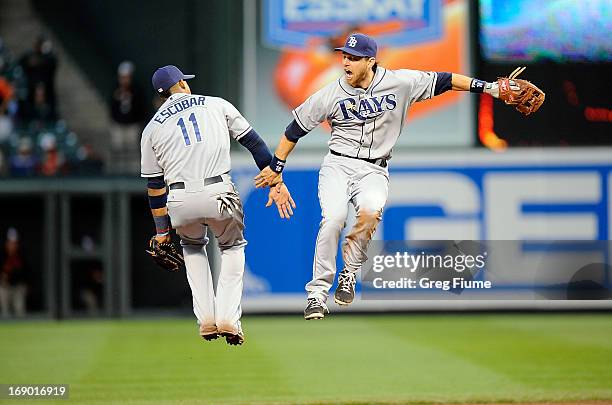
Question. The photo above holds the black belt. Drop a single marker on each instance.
(382, 162)
(207, 182)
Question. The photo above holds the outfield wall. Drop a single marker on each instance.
(547, 194)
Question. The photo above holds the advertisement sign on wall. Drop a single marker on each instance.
(524, 196)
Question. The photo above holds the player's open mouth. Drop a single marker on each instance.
(349, 74)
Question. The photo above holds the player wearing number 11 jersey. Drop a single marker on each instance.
(186, 158)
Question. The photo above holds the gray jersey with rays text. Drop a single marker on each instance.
(366, 123)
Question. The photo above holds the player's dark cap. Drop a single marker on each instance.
(167, 76)
(359, 45)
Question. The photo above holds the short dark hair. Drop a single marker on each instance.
(374, 67)
(165, 94)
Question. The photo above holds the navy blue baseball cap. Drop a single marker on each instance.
(359, 45)
(167, 76)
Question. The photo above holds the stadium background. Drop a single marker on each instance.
(465, 168)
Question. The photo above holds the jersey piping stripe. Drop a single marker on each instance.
(433, 85)
(151, 174)
(372, 140)
(381, 79)
(243, 133)
(346, 91)
(297, 119)
(360, 139)
(369, 89)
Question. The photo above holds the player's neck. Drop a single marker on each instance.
(365, 83)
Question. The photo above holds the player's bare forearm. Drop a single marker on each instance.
(284, 148)
(460, 82)
(158, 212)
(269, 176)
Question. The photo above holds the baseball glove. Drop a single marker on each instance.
(522, 94)
(165, 255)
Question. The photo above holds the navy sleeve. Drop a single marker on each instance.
(157, 183)
(258, 148)
(294, 132)
(443, 83)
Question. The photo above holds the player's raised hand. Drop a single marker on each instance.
(266, 177)
(281, 196)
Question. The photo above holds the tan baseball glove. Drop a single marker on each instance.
(526, 97)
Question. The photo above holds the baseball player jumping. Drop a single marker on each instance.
(186, 146)
(366, 109)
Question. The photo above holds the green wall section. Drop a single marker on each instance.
(201, 37)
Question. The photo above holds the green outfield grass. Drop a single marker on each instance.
(342, 359)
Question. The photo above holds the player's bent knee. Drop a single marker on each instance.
(366, 223)
(371, 206)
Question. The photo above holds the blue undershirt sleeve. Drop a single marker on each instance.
(294, 132)
(258, 148)
(443, 83)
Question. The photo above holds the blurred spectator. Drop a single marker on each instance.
(127, 114)
(87, 161)
(91, 290)
(90, 279)
(7, 92)
(39, 66)
(13, 271)
(40, 114)
(53, 162)
(24, 162)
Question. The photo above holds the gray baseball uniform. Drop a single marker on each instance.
(187, 141)
(365, 125)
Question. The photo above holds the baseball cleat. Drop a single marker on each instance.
(345, 292)
(234, 339)
(315, 309)
(210, 336)
(209, 332)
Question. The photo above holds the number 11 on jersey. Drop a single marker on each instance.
(196, 129)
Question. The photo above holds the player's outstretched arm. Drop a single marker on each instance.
(269, 175)
(526, 97)
(460, 82)
(281, 196)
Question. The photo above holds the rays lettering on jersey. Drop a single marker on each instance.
(178, 107)
(367, 107)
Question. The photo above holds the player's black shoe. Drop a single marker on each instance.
(345, 292)
(234, 339)
(315, 309)
(210, 336)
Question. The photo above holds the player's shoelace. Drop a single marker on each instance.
(313, 303)
(346, 281)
